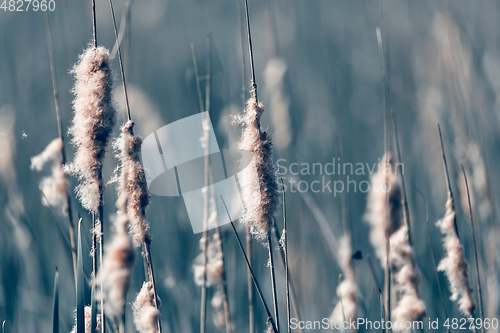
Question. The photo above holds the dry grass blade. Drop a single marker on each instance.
(479, 293)
(94, 24)
(203, 314)
(293, 294)
(385, 87)
(399, 164)
(273, 280)
(248, 236)
(80, 291)
(269, 316)
(250, 51)
(285, 250)
(120, 59)
(93, 313)
(55, 306)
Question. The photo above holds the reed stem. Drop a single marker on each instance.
(249, 281)
(273, 280)
(285, 250)
(479, 293)
(250, 51)
(261, 296)
(120, 60)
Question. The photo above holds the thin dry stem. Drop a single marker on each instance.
(269, 316)
(479, 293)
(120, 60)
(273, 280)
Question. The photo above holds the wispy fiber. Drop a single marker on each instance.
(406, 276)
(384, 182)
(454, 265)
(92, 123)
(128, 149)
(347, 291)
(384, 213)
(212, 271)
(146, 315)
(259, 190)
(55, 187)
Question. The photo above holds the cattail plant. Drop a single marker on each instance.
(454, 265)
(134, 185)
(146, 315)
(384, 212)
(261, 196)
(258, 181)
(95, 116)
(92, 125)
(383, 183)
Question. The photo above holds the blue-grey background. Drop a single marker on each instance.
(444, 67)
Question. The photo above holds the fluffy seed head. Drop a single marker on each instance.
(383, 207)
(454, 265)
(214, 264)
(406, 279)
(259, 189)
(92, 124)
(145, 313)
(53, 151)
(133, 183)
(55, 187)
(409, 308)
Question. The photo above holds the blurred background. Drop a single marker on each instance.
(318, 71)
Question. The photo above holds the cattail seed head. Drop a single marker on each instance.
(92, 123)
(406, 279)
(384, 215)
(134, 186)
(145, 313)
(384, 207)
(454, 265)
(55, 187)
(260, 191)
(215, 265)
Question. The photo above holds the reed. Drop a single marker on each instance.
(454, 265)
(254, 279)
(128, 147)
(476, 260)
